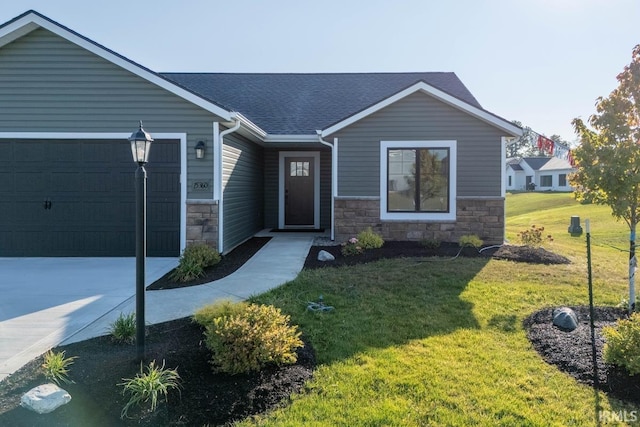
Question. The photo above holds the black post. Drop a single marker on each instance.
(594, 355)
(141, 254)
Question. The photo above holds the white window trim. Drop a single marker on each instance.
(427, 216)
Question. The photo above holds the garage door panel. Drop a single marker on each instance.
(90, 186)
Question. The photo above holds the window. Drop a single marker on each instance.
(546, 181)
(562, 180)
(299, 169)
(417, 180)
(509, 180)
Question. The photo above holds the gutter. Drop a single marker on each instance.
(235, 127)
(334, 178)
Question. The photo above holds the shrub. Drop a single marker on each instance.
(250, 340)
(533, 236)
(369, 239)
(123, 329)
(206, 315)
(352, 247)
(470, 240)
(56, 367)
(194, 259)
(148, 386)
(430, 243)
(622, 346)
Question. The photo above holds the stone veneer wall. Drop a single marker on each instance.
(202, 222)
(482, 217)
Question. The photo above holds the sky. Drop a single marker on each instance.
(541, 62)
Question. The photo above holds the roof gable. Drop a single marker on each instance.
(32, 20)
(536, 163)
(473, 110)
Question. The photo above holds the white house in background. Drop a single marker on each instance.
(546, 173)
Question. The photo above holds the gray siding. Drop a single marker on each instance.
(420, 117)
(242, 182)
(48, 84)
(271, 179)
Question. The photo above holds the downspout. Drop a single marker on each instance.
(219, 176)
(334, 178)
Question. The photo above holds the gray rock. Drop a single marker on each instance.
(325, 256)
(565, 318)
(45, 398)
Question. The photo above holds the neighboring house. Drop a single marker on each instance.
(545, 173)
(311, 151)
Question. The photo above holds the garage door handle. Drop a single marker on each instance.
(47, 204)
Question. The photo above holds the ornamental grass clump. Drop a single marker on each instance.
(149, 386)
(250, 339)
(534, 236)
(56, 367)
(194, 259)
(622, 346)
(123, 329)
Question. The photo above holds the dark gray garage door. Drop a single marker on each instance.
(77, 198)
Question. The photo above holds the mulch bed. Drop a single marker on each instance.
(411, 249)
(227, 265)
(572, 352)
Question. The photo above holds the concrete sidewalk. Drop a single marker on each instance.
(278, 262)
(76, 316)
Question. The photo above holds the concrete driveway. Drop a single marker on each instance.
(44, 301)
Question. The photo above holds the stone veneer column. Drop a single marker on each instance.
(482, 217)
(202, 222)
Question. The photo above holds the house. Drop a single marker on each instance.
(538, 173)
(309, 151)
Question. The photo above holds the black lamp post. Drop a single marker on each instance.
(140, 145)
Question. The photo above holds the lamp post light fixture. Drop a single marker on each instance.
(140, 147)
(200, 149)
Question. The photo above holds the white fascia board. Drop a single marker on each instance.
(478, 113)
(247, 124)
(32, 21)
(291, 138)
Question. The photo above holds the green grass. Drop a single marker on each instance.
(436, 342)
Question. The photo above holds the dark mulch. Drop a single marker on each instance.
(227, 265)
(572, 352)
(206, 398)
(411, 249)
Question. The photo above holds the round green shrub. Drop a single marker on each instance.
(622, 346)
(369, 239)
(207, 315)
(250, 340)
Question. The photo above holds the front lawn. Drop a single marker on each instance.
(439, 341)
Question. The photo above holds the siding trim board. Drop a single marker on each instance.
(182, 137)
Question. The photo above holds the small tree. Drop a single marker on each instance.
(608, 157)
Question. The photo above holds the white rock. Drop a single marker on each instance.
(45, 398)
(325, 256)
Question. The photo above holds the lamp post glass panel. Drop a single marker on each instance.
(140, 147)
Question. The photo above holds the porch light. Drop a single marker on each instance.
(140, 145)
(200, 149)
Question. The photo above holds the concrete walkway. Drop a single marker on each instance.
(76, 316)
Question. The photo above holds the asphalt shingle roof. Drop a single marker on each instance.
(300, 104)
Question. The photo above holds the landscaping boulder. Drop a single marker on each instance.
(45, 398)
(325, 256)
(565, 319)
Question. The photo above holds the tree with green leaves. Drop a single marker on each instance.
(608, 156)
